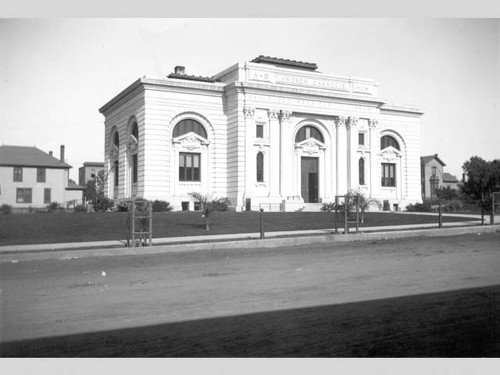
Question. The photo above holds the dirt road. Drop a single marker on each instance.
(418, 297)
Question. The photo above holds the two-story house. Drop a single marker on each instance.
(31, 178)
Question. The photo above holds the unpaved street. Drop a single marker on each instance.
(262, 302)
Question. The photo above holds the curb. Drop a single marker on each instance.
(244, 243)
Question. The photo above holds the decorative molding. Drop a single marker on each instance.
(114, 152)
(390, 154)
(352, 121)
(372, 123)
(310, 146)
(273, 114)
(190, 141)
(285, 115)
(340, 120)
(249, 112)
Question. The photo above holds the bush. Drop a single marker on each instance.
(53, 207)
(328, 207)
(103, 205)
(80, 208)
(122, 207)
(6, 209)
(161, 206)
(419, 207)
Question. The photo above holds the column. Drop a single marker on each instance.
(286, 154)
(274, 163)
(249, 176)
(340, 123)
(375, 171)
(352, 154)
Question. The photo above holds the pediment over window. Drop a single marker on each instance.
(191, 141)
(310, 146)
(390, 154)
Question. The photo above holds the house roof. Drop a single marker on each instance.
(93, 164)
(426, 159)
(74, 186)
(23, 156)
(447, 177)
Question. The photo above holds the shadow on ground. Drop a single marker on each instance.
(462, 323)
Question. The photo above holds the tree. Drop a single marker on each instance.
(210, 204)
(94, 190)
(481, 177)
(363, 202)
(446, 193)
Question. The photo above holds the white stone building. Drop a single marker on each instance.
(270, 133)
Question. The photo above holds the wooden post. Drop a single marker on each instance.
(492, 217)
(440, 218)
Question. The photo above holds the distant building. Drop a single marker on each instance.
(450, 181)
(433, 177)
(31, 178)
(89, 171)
(269, 133)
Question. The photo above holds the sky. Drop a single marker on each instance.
(55, 73)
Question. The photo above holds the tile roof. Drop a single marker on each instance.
(426, 159)
(23, 156)
(191, 77)
(285, 62)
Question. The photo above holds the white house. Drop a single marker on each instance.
(31, 178)
(269, 133)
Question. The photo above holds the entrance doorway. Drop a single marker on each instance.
(309, 179)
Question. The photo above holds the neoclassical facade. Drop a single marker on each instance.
(270, 133)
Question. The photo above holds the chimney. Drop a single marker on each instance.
(180, 70)
(62, 154)
(51, 153)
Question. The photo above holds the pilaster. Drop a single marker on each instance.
(340, 124)
(286, 148)
(273, 163)
(352, 153)
(375, 169)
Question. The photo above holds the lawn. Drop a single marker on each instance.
(79, 227)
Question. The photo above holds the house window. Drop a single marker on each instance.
(18, 174)
(308, 132)
(116, 172)
(189, 166)
(46, 196)
(259, 131)
(40, 175)
(23, 195)
(388, 174)
(260, 167)
(197, 206)
(361, 139)
(434, 171)
(434, 183)
(387, 141)
(361, 167)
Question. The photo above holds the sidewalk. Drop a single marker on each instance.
(243, 240)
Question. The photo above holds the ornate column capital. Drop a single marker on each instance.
(273, 114)
(340, 120)
(352, 121)
(248, 112)
(285, 115)
(373, 123)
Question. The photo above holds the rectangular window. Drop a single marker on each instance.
(189, 167)
(40, 175)
(361, 139)
(259, 131)
(197, 206)
(434, 171)
(46, 196)
(388, 174)
(23, 195)
(18, 174)
(116, 173)
(134, 168)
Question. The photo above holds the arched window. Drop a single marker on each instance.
(260, 167)
(134, 143)
(387, 141)
(189, 125)
(361, 166)
(308, 132)
(116, 140)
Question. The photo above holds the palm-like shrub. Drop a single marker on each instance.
(210, 204)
